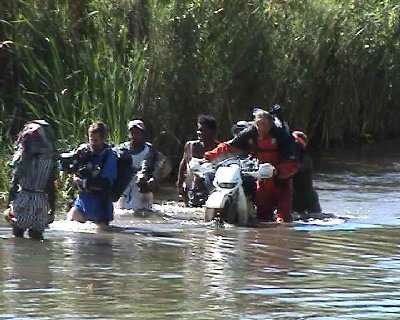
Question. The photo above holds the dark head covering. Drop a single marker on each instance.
(35, 138)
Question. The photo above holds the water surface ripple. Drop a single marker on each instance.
(171, 265)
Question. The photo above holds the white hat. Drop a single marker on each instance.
(136, 123)
(257, 111)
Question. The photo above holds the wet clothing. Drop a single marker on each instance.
(277, 149)
(305, 198)
(30, 205)
(269, 195)
(94, 200)
(31, 198)
(147, 163)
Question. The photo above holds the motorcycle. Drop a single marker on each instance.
(230, 200)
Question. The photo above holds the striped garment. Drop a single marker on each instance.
(31, 206)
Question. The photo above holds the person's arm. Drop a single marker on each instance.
(148, 165)
(147, 178)
(220, 149)
(50, 189)
(237, 144)
(13, 187)
(182, 171)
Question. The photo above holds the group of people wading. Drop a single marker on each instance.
(98, 168)
(268, 139)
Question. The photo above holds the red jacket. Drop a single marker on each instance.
(277, 148)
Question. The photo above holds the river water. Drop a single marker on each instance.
(170, 265)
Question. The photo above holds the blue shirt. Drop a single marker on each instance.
(96, 205)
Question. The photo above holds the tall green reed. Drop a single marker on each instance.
(73, 81)
(338, 66)
(332, 64)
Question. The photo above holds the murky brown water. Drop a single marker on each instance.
(172, 266)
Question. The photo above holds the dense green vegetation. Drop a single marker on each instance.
(333, 65)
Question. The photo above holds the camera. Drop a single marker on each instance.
(76, 162)
(68, 161)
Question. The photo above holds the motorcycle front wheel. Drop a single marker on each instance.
(209, 214)
(225, 214)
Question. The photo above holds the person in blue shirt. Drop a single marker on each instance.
(94, 178)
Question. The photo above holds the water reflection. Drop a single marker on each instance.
(361, 184)
(166, 268)
(25, 273)
(27, 276)
(275, 272)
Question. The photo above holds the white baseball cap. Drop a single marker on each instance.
(136, 123)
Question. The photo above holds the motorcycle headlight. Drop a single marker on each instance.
(226, 185)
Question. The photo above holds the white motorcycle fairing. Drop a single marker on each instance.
(226, 181)
(218, 198)
(221, 199)
(227, 177)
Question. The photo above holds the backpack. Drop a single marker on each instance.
(125, 172)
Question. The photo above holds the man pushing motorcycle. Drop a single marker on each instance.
(269, 141)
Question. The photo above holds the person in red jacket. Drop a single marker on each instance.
(268, 140)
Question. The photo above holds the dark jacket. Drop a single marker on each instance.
(247, 140)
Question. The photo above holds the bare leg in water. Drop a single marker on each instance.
(75, 215)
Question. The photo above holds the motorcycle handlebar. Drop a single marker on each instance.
(258, 171)
(254, 174)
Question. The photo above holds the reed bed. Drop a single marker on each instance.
(333, 65)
